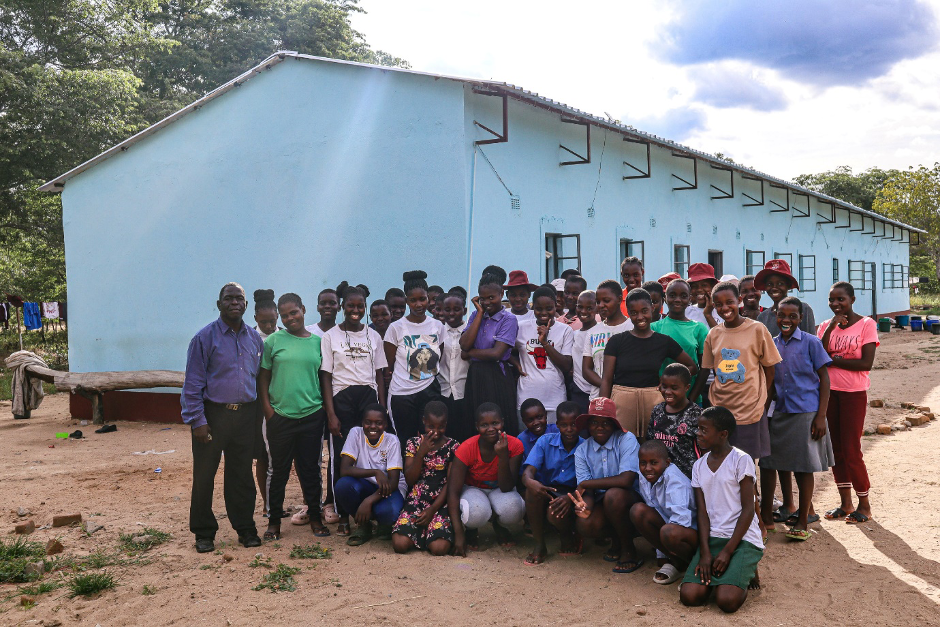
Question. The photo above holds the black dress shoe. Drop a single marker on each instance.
(250, 541)
(205, 545)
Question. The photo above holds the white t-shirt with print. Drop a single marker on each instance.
(598, 338)
(352, 357)
(417, 354)
(543, 380)
(386, 455)
(722, 493)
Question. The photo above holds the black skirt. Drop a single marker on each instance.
(487, 383)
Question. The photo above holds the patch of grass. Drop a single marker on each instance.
(148, 590)
(281, 579)
(311, 552)
(15, 556)
(42, 587)
(931, 301)
(260, 561)
(207, 567)
(98, 559)
(143, 540)
(91, 583)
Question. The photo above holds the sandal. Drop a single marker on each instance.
(533, 560)
(837, 513)
(272, 534)
(361, 536)
(301, 517)
(792, 519)
(782, 515)
(611, 557)
(627, 566)
(577, 551)
(667, 574)
(343, 529)
(319, 531)
(797, 534)
(855, 518)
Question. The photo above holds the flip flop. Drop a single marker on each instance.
(792, 519)
(528, 562)
(629, 566)
(343, 529)
(272, 535)
(578, 550)
(855, 518)
(837, 513)
(320, 532)
(782, 515)
(797, 534)
(611, 557)
(671, 573)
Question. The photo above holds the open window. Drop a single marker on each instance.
(563, 252)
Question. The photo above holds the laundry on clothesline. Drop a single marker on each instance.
(31, 316)
(50, 311)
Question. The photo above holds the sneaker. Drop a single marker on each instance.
(329, 514)
(301, 517)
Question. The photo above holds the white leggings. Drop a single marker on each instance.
(478, 505)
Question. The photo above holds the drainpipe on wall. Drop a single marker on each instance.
(470, 221)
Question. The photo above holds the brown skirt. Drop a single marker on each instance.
(634, 406)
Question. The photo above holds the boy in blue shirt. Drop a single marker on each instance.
(667, 517)
(606, 470)
(549, 476)
(533, 415)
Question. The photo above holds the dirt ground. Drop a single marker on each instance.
(885, 572)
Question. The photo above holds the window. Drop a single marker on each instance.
(807, 272)
(681, 259)
(754, 261)
(632, 248)
(905, 277)
(562, 252)
(836, 269)
(894, 276)
(858, 274)
(715, 260)
(788, 257)
(888, 276)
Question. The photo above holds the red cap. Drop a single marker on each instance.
(600, 407)
(518, 278)
(667, 278)
(779, 267)
(702, 272)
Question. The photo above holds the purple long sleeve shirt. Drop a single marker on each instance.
(221, 367)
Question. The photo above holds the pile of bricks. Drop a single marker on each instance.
(917, 415)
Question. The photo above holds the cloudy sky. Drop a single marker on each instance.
(786, 87)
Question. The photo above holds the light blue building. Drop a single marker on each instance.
(306, 171)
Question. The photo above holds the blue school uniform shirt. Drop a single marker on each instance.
(528, 438)
(597, 461)
(796, 381)
(672, 496)
(554, 465)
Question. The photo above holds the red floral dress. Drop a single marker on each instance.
(431, 482)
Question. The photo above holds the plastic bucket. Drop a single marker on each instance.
(916, 325)
(936, 328)
(885, 325)
(902, 321)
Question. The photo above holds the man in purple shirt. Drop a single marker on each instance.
(219, 403)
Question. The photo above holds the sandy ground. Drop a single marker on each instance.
(885, 572)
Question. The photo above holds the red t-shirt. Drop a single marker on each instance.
(479, 473)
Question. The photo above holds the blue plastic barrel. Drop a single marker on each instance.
(916, 325)
(902, 321)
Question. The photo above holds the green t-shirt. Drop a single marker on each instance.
(294, 363)
(690, 335)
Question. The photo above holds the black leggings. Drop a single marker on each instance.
(407, 411)
(298, 441)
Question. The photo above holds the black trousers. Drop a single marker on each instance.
(407, 411)
(460, 422)
(488, 383)
(233, 433)
(348, 404)
(579, 397)
(297, 441)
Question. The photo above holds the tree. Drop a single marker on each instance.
(857, 189)
(911, 196)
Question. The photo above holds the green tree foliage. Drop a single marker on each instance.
(911, 196)
(78, 76)
(857, 189)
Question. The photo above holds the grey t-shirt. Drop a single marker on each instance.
(769, 318)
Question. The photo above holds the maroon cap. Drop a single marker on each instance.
(666, 279)
(600, 407)
(702, 272)
(779, 267)
(518, 278)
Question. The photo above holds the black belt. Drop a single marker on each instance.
(229, 406)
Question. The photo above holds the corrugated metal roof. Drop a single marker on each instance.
(513, 91)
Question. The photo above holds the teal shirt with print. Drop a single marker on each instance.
(294, 363)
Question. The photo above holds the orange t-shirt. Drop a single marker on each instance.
(479, 473)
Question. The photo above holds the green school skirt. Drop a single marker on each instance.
(741, 568)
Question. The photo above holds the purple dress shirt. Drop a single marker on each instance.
(501, 327)
(221, 367)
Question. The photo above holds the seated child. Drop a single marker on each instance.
(371, 482)
(424, 522)
(675, 421)
(606, 470)
(535, 419)
(667, 517)
(730, 544)
(549, 476)
(800, 442)
(482, 482)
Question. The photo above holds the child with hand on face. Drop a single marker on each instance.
(800, 442)
(675, 421)
(702, 278)
(549, 476)
(482, 482)
(424, 522)
(667, 517)
(730, 544)
(372, 484)
(606, 470)
(535, 423)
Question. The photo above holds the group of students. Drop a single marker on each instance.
(606, 413)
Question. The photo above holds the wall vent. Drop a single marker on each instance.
(715, 229)
(689, 227)
(653, 222)
(514, 203)
(591, 212)
(738, 235)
